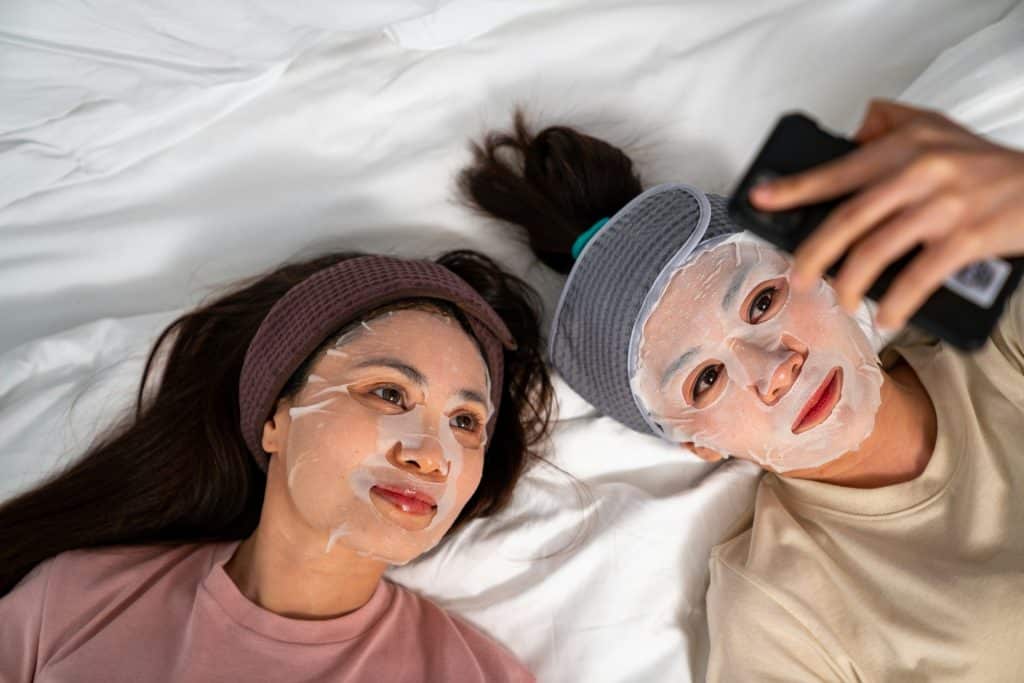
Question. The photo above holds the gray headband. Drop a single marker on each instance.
(614, 275)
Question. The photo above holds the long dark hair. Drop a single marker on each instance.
(555, 184)
(178, 471)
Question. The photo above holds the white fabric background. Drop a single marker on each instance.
(151, 151)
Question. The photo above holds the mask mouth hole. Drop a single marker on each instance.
(821, 404)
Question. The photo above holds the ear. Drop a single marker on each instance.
(275, 429)
(703, 453)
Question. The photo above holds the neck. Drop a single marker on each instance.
(285, 568)
(900, 445)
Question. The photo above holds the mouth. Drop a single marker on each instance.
(405, 499)
(821, 403)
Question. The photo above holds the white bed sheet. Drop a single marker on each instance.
(205, 148)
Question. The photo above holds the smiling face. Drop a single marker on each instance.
(732, 360)
(384, 444)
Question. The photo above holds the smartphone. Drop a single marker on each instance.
(962, 312)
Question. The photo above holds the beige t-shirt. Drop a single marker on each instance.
(919, 581)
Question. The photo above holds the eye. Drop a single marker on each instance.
(705, 380)
(762, 302)
(465, 422)
(389, 394)
(765, 301)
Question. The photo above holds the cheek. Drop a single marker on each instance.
(469, 478)
(322, 453)
(736, 423)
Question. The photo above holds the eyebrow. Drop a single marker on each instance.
(416, 376)
(675, 365)
(734, 286)
(412, 373)
(469, 395)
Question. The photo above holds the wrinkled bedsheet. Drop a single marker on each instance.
(153, 151)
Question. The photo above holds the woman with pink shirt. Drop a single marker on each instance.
(292, 439)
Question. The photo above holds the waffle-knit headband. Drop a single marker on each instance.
(323, 303)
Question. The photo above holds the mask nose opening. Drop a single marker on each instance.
(423, 457)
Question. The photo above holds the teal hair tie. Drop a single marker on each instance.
(582, 240)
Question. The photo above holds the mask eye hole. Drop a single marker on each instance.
(704, 384)
(387, 398)
(389, 394)
(468, 427)
(465, 421)
(764, 301)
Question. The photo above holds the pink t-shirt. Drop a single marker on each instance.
(149, 613)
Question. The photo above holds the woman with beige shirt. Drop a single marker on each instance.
(884, 543)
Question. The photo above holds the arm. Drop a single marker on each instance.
(21, 613)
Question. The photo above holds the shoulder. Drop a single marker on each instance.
(787, 537)
(65, 599)
(103, 583)
(734, 587)
(754, 632)
(102, 571)
(732, 591)
(771, 523)
(21, 622)
(732, 552)
(475, 650)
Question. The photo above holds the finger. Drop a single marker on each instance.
(924, 222)
(921, 277)
(1002, 230)
(883, 116)
(832, 179)
(856, 216)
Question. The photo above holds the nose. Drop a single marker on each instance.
(783, 378)
(425, 459)
(770, 373)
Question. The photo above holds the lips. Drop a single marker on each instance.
(821, 403)
(406, 499)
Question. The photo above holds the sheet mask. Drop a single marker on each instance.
(698, 315)
(865, 316)
(346, 442)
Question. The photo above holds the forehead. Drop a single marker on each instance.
(718, 272)
(433, 343)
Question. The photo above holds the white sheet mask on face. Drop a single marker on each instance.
(770, 351)
(350, 450)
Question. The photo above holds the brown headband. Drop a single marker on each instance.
(321, 304)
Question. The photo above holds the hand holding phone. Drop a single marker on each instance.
(923, 216)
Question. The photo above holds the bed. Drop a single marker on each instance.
(152, 151)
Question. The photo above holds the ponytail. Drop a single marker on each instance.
(555, 184)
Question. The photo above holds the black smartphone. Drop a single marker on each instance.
(963, 311)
